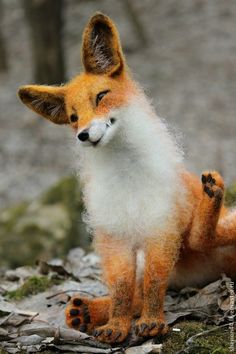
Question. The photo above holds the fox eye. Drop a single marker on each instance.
(100, 96)
(73, 118)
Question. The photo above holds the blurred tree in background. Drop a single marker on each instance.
(3, 56)
(46, 24)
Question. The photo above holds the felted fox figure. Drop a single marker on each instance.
(154, 223)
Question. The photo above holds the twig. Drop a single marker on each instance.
(191, 339)
(4, 320)
(67, 291)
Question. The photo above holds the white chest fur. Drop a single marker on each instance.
(131, 183)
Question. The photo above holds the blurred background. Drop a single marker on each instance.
(182, 52)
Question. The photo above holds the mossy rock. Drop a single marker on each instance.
(47, 227)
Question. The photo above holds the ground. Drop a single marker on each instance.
(33, 301)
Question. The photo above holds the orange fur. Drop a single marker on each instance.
(81, 95)
(208, 233)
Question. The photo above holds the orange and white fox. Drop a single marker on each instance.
(154, 223)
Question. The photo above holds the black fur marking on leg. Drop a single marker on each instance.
(87, 318)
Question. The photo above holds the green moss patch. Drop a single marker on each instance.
(215, 342)
(32, 286)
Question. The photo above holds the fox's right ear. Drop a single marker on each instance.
(101, 50)
(48, 101)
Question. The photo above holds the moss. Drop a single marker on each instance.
(211, 343)
(32, 286)
(230, 195)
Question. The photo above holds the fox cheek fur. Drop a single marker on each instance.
(155, 224)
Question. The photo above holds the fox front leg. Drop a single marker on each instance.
(118, 262)
(160, 257)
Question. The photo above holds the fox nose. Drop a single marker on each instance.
(83, 136)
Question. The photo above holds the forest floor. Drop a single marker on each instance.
(33, 300)
(187, 66)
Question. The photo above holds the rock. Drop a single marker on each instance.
(45, 228)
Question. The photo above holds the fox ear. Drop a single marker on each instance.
(101, 50)
(48, 101)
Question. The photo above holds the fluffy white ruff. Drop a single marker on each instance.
(132, 182)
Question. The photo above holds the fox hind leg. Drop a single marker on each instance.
(226, 230)
(208, 212)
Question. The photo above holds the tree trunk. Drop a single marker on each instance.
(135, 21)
(45, 20)
(3, 53)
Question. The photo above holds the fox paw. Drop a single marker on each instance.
(148, 327)
(78, 314)
(213, 185)
(112, 332)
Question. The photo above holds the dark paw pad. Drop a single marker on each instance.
(209, 191)
(77, 302)
(75, 322)
(212, 186)
(78, 316)
(208, 179)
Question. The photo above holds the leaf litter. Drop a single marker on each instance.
(36, 323)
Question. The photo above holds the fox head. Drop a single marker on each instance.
(90, 101)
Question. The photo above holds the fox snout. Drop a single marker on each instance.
(97, 131)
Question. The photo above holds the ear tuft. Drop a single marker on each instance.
(101, 51)
(48, 101)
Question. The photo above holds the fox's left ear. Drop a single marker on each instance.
(48, 101)
(101, 50)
